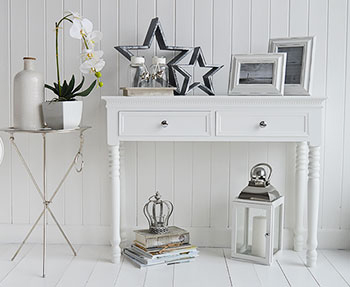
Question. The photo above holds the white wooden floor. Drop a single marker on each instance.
(213, 268)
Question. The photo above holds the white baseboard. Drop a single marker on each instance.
(200, 236)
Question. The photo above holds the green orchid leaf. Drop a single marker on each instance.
(71, 85)
(79, 86)
(64, 89)
(51, 88)
(56, 86)
(87, 91)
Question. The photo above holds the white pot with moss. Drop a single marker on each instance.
(64, 111)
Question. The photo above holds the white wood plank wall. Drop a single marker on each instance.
(200, 178)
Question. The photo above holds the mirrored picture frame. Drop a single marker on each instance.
(257, 74)
(300, 53)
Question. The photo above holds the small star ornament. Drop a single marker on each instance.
(207, 84)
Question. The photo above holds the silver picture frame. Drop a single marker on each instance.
(300, 53)
(257, 74)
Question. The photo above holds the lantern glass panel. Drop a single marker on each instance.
(278, 228)
(251, 231)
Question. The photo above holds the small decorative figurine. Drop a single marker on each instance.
(159, 215)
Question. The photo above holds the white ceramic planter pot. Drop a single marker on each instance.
(62, 115)
(28, 95)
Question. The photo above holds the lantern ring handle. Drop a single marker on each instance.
(262, 164)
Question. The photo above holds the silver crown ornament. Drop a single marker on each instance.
(158, 212)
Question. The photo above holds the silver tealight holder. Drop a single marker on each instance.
(158, 212)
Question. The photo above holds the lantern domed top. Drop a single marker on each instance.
(259, 186)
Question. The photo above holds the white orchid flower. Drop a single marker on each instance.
(93, 37)
(91, 54)
(80, 27)
(92, 66)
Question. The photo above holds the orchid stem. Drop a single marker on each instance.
(57, 62)
(57, 24)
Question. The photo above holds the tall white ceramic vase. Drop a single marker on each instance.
(28, 95)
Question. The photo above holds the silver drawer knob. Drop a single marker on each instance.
(263, 124)
(164, 123)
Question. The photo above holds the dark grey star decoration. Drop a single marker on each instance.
(155, 30)
(197, 57)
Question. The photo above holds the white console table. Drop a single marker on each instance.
(223, 118)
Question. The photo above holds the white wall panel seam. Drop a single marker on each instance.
(229, 184)
(269, 19)
(308, 16)
(192, 160)
(289, 5)
(45, 46)
(325, 120)
(344, 111)
(9, 36)
(250, 24)
(137, 184)
(28, 54)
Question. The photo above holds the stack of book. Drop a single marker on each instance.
(156, 249)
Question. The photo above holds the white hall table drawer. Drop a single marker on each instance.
(179, 123)
(278, 123)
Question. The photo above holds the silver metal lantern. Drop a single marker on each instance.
(257, 219)
(158, 212)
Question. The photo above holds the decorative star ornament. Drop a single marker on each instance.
(197, 57)
(155, 30)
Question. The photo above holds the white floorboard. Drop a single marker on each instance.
(82, 266)
(162, 276)
(104, 273)
(325, 273)
(242, 274)
(213, 268)
(29, 271)
(340, 260)
(271, 276)
(295, 270)
(130, 275)
(208, 269)
(6, 253)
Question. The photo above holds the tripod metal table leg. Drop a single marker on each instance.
(78, 163)
(27, 236)
(45, 203)
(60, 228)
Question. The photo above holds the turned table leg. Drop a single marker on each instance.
(300, 193)
(313, 203)
(114, 181)
(123, 230)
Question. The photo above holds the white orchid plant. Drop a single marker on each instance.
(92, 62)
